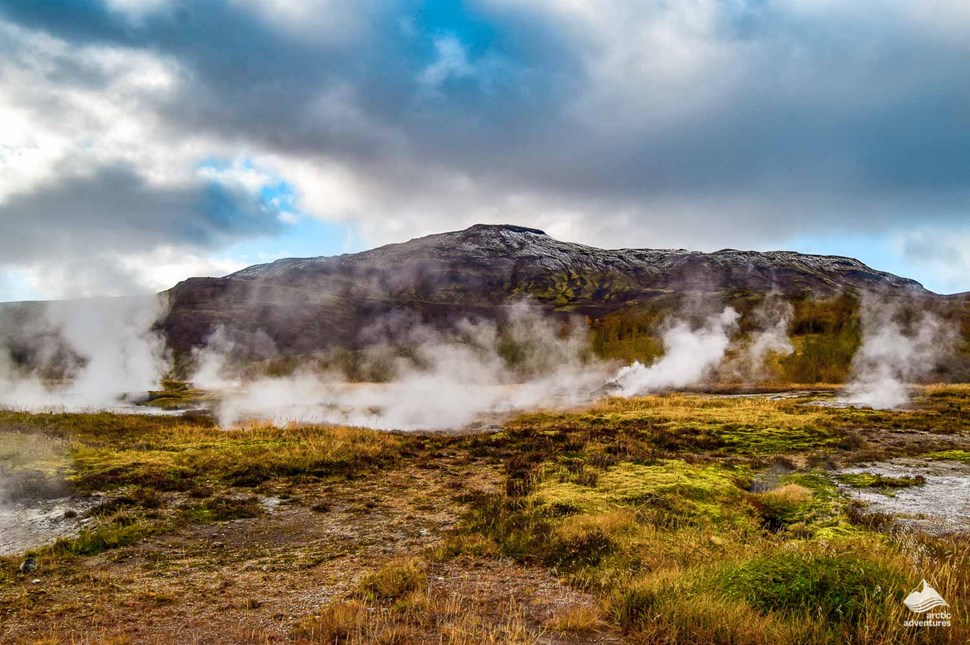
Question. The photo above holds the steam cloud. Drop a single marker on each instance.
(894, 353)
(82, 354)
(689, 355)
(773, 319)
(445, 380)
(768, 336)
(86, 355)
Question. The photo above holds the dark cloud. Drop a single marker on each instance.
(116, 209)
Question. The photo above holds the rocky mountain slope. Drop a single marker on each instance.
(303, 305)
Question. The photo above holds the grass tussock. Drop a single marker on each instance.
(394, 580)
(580, 620)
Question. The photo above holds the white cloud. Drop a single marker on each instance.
(451, 63)
(101, 110)
(318, 20)
(162, 268)
(944, 254)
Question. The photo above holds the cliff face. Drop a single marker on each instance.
(303, 305)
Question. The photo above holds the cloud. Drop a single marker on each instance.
(702, 124)
(116, 209)
(944, 253)
(451, 62)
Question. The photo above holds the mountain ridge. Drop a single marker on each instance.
(306, 304)
(489, 232)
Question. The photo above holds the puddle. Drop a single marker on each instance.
(115, 408)
(270, 504)
(941, 505)
(31, 524)
(771, 396)
(36, 505)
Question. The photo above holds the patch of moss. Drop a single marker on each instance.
(875, 480)
(781, 439)
(224, 509)
(669, 487)
(962, 456)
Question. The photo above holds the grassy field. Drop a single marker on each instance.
(679, 518)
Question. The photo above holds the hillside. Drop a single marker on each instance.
(308, 304)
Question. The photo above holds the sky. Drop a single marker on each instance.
(146, 141)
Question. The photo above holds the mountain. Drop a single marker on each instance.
(303, 305)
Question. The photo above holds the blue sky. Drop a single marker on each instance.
(145, 141)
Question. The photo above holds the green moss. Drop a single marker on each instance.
(669, 487)
(823, 516)
(951, 455)
(875, 480)
(224, 509)
(780, 439)
(821, 485)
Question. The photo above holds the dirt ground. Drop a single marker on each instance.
(253, 579)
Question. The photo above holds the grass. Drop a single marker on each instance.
(837, 588)
(677, 518)
(682, 550)
(109, 451)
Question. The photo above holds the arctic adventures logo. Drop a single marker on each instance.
(922, 600)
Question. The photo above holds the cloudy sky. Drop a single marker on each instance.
(144, 141)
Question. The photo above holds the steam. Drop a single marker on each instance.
(772, 319)
(894, 352)
(689, 356)
(82, 354)
(748, 362)
(445, 379)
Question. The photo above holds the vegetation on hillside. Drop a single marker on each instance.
(825, 334)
